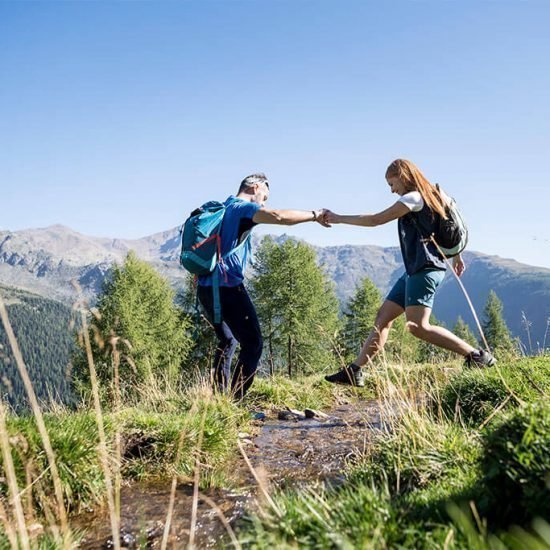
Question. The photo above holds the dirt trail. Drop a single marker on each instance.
(285, 451)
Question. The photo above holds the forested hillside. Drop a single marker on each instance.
(43, 331)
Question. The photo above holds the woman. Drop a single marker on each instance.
(417, 209)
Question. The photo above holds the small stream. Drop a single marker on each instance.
(284, 452)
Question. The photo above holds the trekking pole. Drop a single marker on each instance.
(478, 324)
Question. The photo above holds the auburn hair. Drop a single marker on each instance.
(414, 180)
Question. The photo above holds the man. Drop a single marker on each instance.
(239, 323)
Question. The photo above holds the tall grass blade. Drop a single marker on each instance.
(9, 468)
(103, 455)
(196, 480)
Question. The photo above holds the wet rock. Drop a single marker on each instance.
(291, 414)
(312, 413)
(286, 415)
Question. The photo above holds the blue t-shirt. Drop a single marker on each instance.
(236, 226)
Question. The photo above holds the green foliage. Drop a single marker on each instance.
(150, 442)
(297, 307)
(321, 517)
(473, 395)
(203, 336)
(45, 541)
(74, 439)
(419, 452)
(152, 438)
(401, 346)
(428, 353)
(495, 329)
(357, 514)
(297, 393)
(516, 465)
(44, 336)
(137, 306)
(464, 332)
(359, 317)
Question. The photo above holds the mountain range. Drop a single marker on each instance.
(46, 261)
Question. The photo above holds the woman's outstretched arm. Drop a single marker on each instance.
(369, 220)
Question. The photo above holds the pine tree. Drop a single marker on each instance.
(204, 339)
(359, 317)
(463, 331)
(137, 306)
(297, 307)
(495, 329)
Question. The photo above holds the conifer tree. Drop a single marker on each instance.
(137, 306)
(297, 307)
(494, 327)
(203, 337)
(463, 331)
(359, 317)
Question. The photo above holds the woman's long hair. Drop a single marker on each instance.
(414, 180)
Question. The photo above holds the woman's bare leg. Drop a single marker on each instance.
(418, 323)
(388, 312)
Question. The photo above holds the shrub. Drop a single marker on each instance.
(418, 452)
(516, 466)
(475, 394)
(74, 439)
(323, 517)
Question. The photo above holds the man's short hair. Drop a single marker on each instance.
(253, 179)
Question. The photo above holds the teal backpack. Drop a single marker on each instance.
(201, 252)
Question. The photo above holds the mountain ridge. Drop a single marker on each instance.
(45, 261)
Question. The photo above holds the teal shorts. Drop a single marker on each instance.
(416, 290)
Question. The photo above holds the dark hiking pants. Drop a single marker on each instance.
(239, 325)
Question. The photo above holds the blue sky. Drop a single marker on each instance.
(118, 118)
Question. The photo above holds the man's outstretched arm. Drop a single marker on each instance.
(288, 217)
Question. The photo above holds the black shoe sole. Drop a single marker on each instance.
(340, 383)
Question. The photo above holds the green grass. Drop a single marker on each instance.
(473, 395)
(516, 465)
(150, 442)
(152, 439)
(299, 393)
(420, 452)
(411, 489)
(434, 481)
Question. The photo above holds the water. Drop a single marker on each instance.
(284, 452)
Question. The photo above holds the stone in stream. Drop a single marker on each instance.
(291, 414)
(312, 413)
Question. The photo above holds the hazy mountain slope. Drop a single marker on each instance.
(45, 261)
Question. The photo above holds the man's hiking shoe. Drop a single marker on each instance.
(351, 375)
(480, 358)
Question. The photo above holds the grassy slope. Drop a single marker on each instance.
(397, 495)
(413, 488)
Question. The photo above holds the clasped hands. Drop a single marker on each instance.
(326, 217)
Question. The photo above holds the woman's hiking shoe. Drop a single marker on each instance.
(480, 358)
(351, 375)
